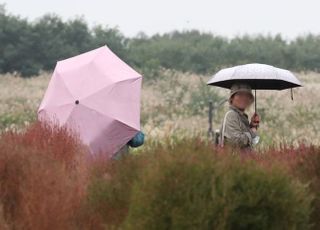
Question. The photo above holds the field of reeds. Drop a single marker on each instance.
(176, 104)
(178, 179)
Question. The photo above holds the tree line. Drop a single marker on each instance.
(27, 47)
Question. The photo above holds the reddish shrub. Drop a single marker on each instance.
(307, 169)
(302, 162)
(3, 223)
(43, 177)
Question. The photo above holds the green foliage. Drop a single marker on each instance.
(66, 39)
(28, 47)
(307, 169)
(199, 98)
(110, 188)
(191, 188)
(16, 39)
(261, 199)
(8, 120)
(111, 37)
(188, 185)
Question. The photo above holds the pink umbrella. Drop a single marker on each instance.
(97, 95)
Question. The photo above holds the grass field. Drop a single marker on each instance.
(48, 180)
(176, 105)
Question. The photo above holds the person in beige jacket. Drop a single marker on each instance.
(236, 130)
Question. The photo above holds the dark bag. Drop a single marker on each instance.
(137, 140)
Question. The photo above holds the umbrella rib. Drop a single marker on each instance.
(55, 107)
(63, 82)
(107, 116)
(68, 90)
(103, 88)
(69, 118)
(277, 76)
(234, 72)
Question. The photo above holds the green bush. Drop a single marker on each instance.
(260, 199)
(190, 187)
(307, 169)
(302, 162)
(110, 186)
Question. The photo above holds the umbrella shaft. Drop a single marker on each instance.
(255, 101)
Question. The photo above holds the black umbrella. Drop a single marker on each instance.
(258, 76)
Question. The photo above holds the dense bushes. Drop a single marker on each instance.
(308, 168)
(48, 182)
(190, 186)
(29, 47)
(42, 179)
(188, 189)
(303, 163)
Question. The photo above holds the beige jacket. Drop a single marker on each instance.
(235, 129)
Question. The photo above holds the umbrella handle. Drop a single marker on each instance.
(255, 106)
(255, 101)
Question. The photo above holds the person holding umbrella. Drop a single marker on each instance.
(236, 130)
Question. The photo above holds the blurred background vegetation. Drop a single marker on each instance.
(175, 66)
(28, 47)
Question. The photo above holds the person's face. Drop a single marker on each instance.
(242, 100)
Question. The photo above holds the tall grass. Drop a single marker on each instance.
(178, 103)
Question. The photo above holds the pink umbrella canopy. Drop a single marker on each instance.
(97, 95)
